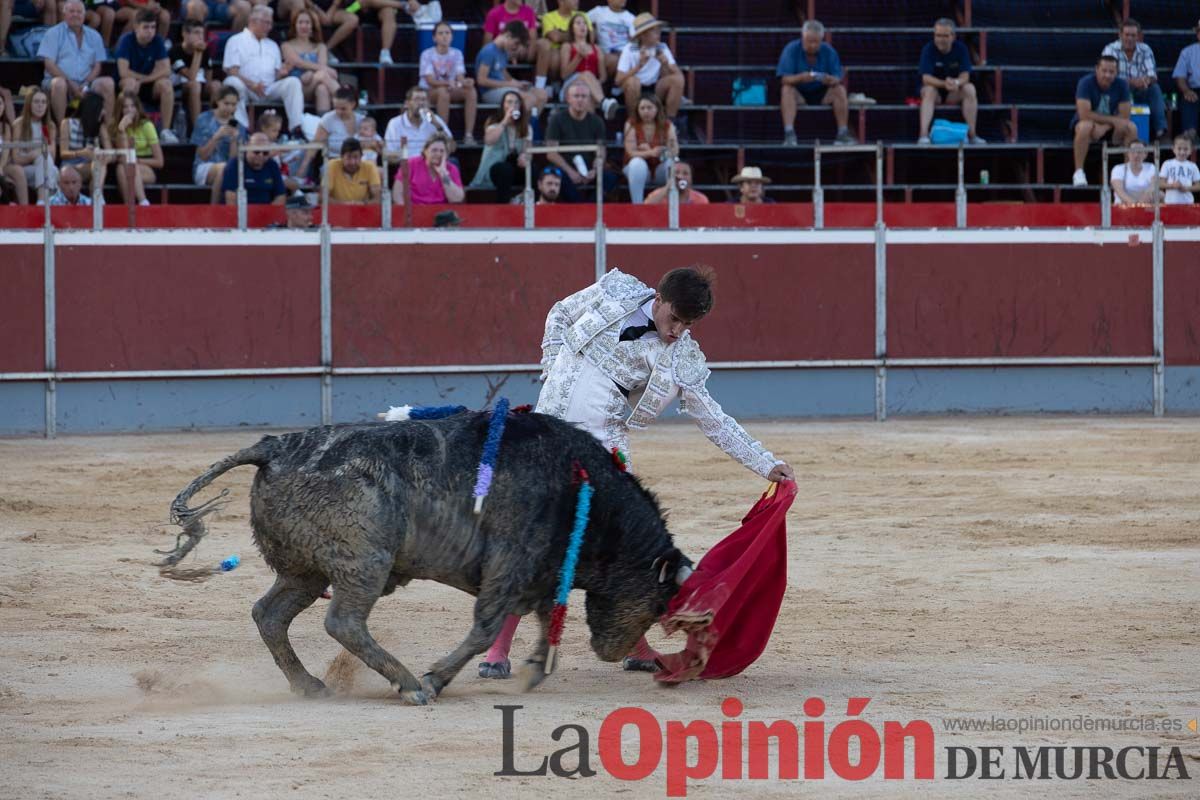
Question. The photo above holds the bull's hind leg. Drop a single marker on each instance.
(346, 621)
(489, 619)
(274, 613)
(535, 666)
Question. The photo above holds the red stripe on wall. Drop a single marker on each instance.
(774, 302)
(396, 305)
(22, 317)
(1181, 303)
(212, 307)
(1019, 300)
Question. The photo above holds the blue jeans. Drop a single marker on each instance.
(1190, 113)
(576, 194)
(1152, 96)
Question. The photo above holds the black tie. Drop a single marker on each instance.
(634, 332)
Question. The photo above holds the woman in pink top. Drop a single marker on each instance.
(581, 61)
(432, 178)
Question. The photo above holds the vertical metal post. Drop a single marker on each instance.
(1105, 191)
(1157, 203)
(672, 197)
(960, 194)
(385, 197)
(601, 244)
(818, 196)
(326, 323)
(49, 313)
(527, 198)
(45, 184)
(241, 192)
(878, 183)
(1160, 365)
(881, 320)
(97, 191)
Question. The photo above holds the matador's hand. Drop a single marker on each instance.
(781, 472)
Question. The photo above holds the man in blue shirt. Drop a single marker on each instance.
(72, 53)
(946, 78)
(810, 70)
(261, 176)
(491, 69)
(1187, 79)
(1102, 104)
(144, 68)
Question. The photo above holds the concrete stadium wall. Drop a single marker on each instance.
(456, 317)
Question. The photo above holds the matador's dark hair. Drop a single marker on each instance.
(689, 290)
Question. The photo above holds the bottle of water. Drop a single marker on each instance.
(180, 124)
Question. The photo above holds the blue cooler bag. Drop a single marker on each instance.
(944, 132)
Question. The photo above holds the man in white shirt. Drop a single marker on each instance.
(613, 25)
(416, 123)
(647, 63)
(254, 67)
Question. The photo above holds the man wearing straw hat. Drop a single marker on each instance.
(646, 64)
(751, 184)
(614, 356)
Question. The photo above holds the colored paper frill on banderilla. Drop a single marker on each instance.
(728, 606)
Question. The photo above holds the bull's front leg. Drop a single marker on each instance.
(534, 671)
(489, 619)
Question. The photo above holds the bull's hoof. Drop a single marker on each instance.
(432, 685)
(311, 687)
(498, 669)
(631, 664)
(533, 673)
(416, 697)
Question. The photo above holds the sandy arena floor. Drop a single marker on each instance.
(1008, 568)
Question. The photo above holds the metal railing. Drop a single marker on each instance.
(818, 196)
(276, 148)
(1106, 199)
(598, 163)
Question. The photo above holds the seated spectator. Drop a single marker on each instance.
(421, 13)
(101, 17)
(683, 182)
(444, 77)
(260, 175)
(11, 173)
(649, 140)
(192, 70)
(45, 10)
(216, 135)
(556, 26)
(549, 187)
(298, 213)
(646, 64)
(433, 178)
(329, 14)
(35, 127)
(306, 55)
(415, 124)
(253, 65)
(128, 11)
(1101, 108)
(613, 26)
(1135, 182)
(581, 62)
(1179, 174)
(351, 179)
(577, 125)
(510, 11)
(133, 130)
(335, 127)
(371, 141)
(79, 138)
(231, 13)
(491, 69)
(289, 161)
(70, 185)
(946, 79)
(145, 69)
(1135, 66)
(810, 71)
(504, 140)
(1187, 78)
(72, 55)
(752, 186)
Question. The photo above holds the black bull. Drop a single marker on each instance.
(368, 507)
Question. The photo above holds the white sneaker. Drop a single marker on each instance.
(977, 140)
(143, 202)
(924, 140)
(168, 137)
(385, 57)
(610, 107)
(1079, 178)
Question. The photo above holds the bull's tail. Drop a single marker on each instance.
(192, 519)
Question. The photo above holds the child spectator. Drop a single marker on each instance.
(289, 161)
(613, 26)
(130, 9)
(192, 70)
(371, 141)
(556, 26)
(581, 62)
(444, 77)
(80, 136)
(134, 130)
(1180, 174)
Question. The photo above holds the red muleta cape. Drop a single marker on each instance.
(728, 606)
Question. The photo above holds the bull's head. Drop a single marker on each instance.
(637, 595)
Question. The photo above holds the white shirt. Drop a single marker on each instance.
(1184, 172)
(400, 127)
(257, 59)
(1134, 184)
(641, 318)
(650, 71)
(613, 28)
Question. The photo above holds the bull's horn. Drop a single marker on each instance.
(682, 574)
(662, 569)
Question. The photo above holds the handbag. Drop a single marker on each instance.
(946, 132)
(750, 91)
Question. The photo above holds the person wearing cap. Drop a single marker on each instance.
(261, 175)
(683, 182)
(1187, 79)
(810, 70)
(351, 179)
(646, 64)
(447, 219)
(752, 184)
(299, 214)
